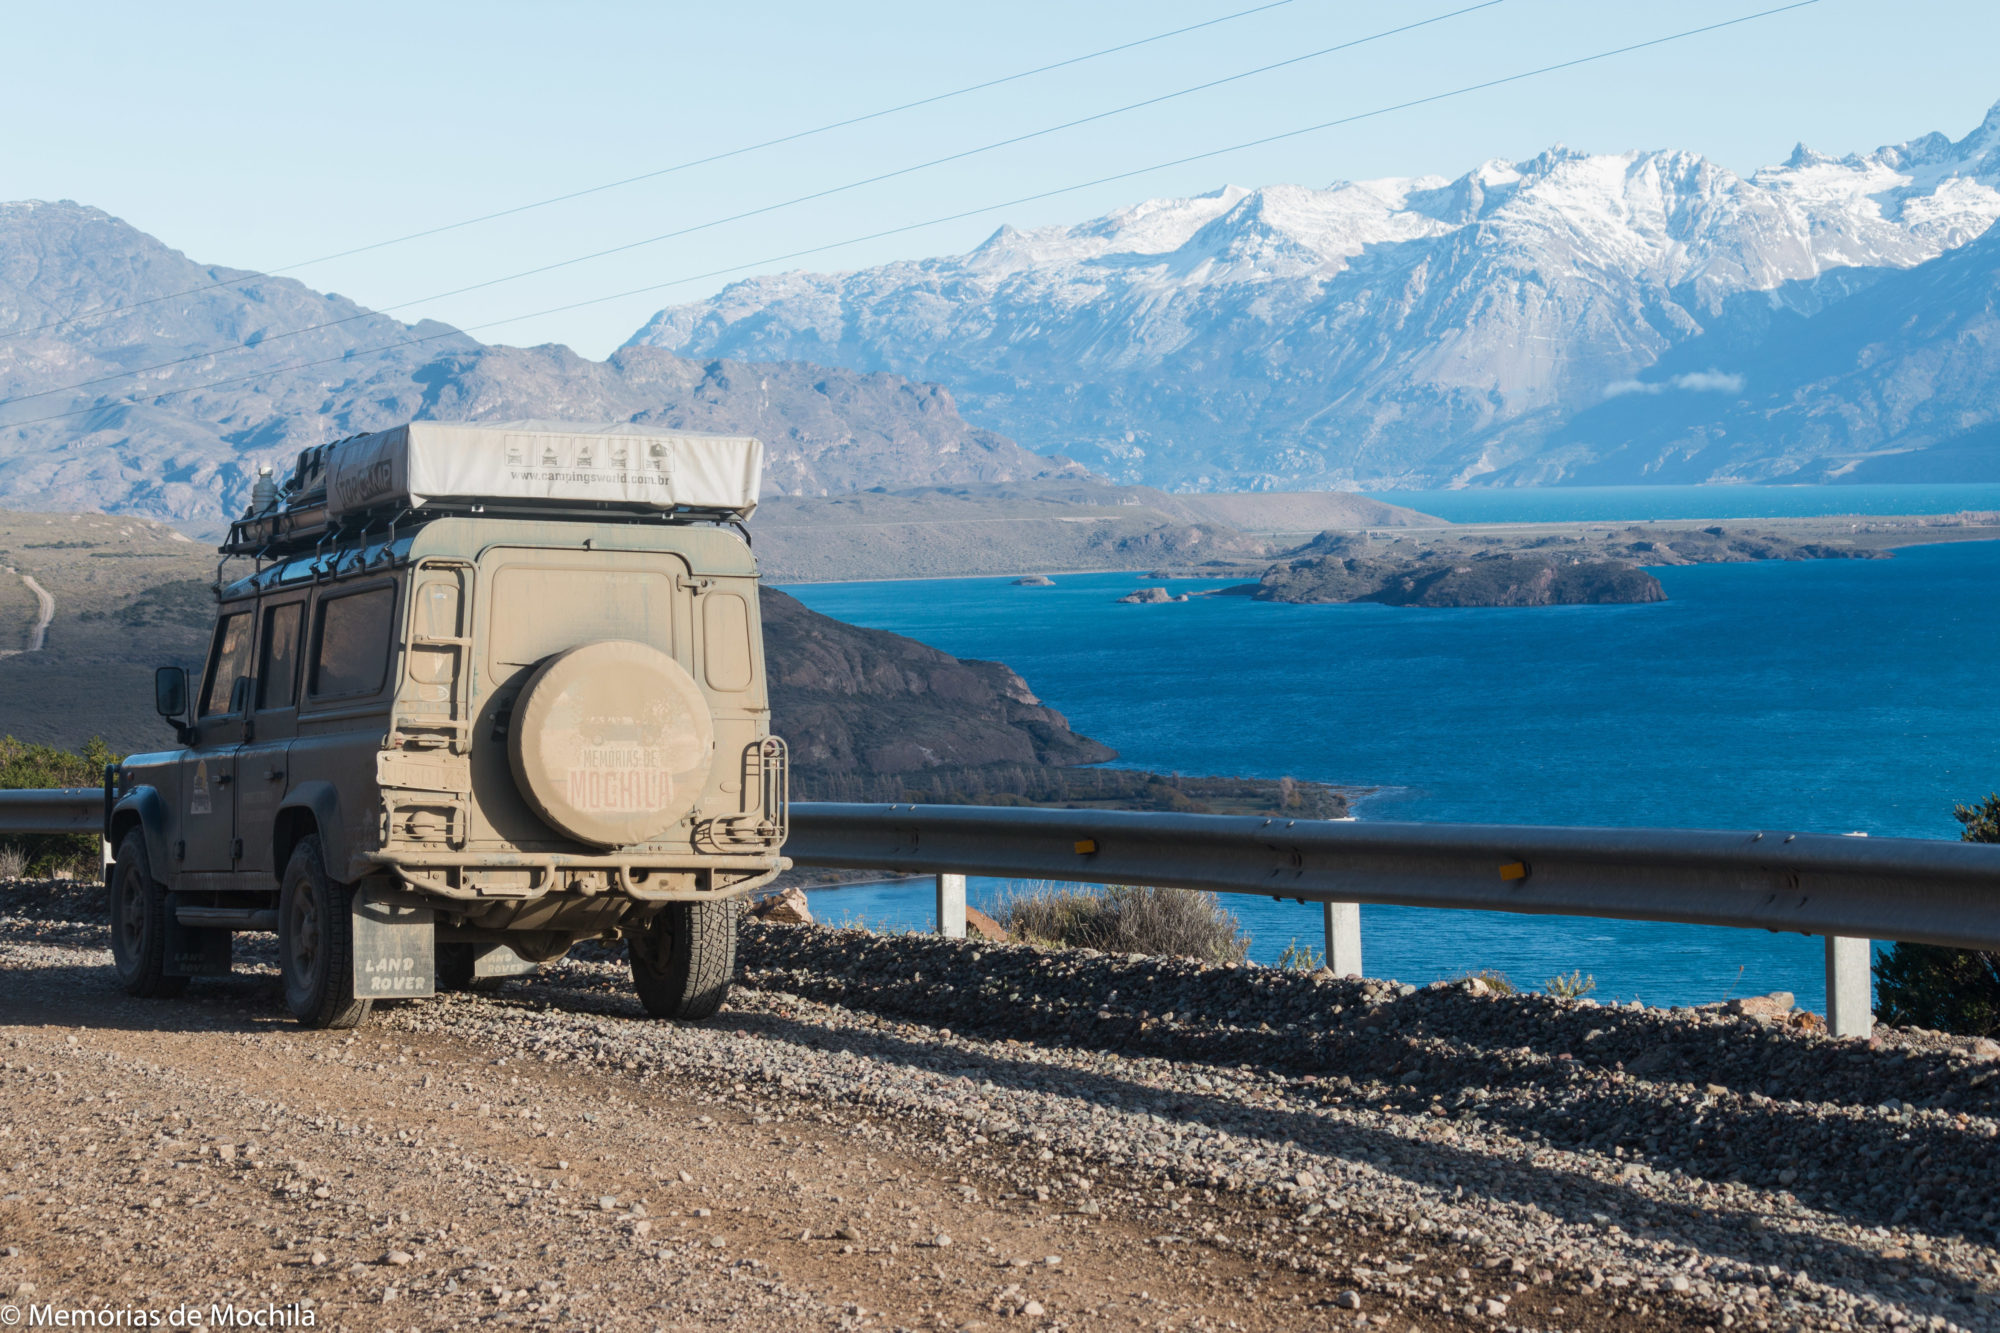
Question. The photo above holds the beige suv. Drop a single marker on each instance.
(483, 692)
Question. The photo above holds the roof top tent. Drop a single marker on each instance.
(607, 471)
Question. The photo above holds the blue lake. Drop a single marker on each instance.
(1825, 696)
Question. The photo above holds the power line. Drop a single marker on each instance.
(266, 339)
(689, 165)
(765, 262)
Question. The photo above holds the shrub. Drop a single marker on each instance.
(1572, 987)
(25, 765)
(1123, 918)
(1296, 957)
(1497, 982)
(1952, 990)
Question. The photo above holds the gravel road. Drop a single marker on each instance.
(903, 1132)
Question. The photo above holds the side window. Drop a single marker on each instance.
(278, 657)
(351, 643)
(725, 624)
(228, 663)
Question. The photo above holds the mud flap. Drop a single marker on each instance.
(194, 951)
(499, 960)
(395, 950)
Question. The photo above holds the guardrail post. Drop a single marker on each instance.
(1343, 938)
(1850, 998)
(951, 906)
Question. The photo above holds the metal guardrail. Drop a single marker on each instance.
(52, 810)
(1851, 890)
(1931, 892)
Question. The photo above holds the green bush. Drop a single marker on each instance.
(27, 765)
(1951, 990)
(1123, 918)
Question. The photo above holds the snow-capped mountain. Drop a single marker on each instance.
(1412, 331)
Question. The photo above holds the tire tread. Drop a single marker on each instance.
(695, 945)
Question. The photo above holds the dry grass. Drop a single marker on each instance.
(13, 862)
(1296, 957)
(1125, 918)
(1571, 987)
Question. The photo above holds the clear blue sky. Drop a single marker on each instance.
(253, 135)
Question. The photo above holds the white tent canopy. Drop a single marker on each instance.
(553, 461)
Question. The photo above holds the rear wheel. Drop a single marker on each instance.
(139, 924)
(316, 943)
(685, 958)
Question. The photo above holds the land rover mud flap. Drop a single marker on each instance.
(194, 951)
(490, 961)
(395, 950)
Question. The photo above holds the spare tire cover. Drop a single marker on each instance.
(611, 742)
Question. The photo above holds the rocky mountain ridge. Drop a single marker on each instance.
(189, 454)
(1411, 332)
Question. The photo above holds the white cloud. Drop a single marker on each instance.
(1699, 381)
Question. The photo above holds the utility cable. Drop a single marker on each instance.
(938, 221)
(689, 165)
(266, 339)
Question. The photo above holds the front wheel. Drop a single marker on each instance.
(316, 943)
(685, 957)
(139, 924)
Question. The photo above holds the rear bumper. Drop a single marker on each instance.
(627, 876)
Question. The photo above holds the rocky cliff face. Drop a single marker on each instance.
(869, 714)
(1406, 331)
(183, 441)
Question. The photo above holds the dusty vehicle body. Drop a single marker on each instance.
(464, 711)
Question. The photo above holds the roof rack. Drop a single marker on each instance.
(412, 474)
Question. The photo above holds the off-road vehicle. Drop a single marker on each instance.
(482, 693)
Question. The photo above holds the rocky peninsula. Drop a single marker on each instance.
(1593, 566)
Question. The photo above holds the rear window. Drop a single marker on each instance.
(351, 636)
(537, 610)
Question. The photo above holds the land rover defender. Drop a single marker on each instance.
(481, 693)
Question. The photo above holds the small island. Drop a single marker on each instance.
(1546, 569)
(1485, 580)
(1151, 597)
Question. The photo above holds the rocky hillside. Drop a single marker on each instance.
(188, 453)
(1894, 375)
(956, 531)
(857, 705)
(1406, 331)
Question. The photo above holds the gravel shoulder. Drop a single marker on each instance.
(1307, 1153)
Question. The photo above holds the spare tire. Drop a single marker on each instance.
(611, 742)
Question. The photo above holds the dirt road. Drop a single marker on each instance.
(546, 1158)
(45, 611)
